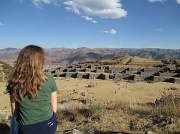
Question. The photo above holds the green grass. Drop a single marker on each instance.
(97, 109)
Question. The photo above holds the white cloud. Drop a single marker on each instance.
(39, 2)
(101, 8)
(89, 19)
(152, 1)
(93, 21)
(178, 1)
(112, 31)
(1, 24)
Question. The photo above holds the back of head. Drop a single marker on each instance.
(28, 72)
(30, 59)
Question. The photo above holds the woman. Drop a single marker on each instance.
(33, 93)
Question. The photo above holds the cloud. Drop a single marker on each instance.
(39, 2)
(178, 1)
(152, 1)
(112, 31)
(1, 24)
(89, 19)
(101, 8)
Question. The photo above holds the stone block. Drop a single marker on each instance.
(88, 70)
(99, 70)
(176, 80)
(139, 77)
(167, 74)
(69, 74)
(83, 75)
(93, 75)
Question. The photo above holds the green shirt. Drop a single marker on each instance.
(38, 110)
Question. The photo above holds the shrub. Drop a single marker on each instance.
(168, 104)
(97, 109)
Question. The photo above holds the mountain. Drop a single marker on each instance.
(70, 55)
(66, 55)
(9, 49)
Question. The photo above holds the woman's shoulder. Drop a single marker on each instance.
(49, 76)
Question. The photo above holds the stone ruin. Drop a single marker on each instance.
(156, 74)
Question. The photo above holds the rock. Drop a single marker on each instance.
(83, 94)
(149, 132)
(74, 131)
(170, 120)
(59, 133)
(163, 121)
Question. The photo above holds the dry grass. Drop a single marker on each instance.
(168, 104)
(4, 98)
(117, 106)
(121, 106)
(129, 60)
(121, 117)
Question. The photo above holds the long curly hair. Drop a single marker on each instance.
(27, 76)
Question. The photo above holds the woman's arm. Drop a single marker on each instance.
(54, 101)
(14, 108)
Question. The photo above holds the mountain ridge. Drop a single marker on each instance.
(75, 55)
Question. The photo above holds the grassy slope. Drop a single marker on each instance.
(123, 60)
(7, 69)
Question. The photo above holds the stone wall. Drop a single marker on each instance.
(83, 75)
(176, 80)
(137, 77)
(93, 75)
(162, 79)
(112, 72)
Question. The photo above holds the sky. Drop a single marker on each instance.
(90, 23)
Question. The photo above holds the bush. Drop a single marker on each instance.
(168, 104)
(97, 109)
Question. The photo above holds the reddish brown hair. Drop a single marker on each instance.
(27, 76)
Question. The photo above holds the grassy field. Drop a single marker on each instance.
(112, 106)
(102, 90)
(117, 106)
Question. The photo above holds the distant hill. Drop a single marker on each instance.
(125, 61)
(128, 60)
(68, 55)
(8, 49)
